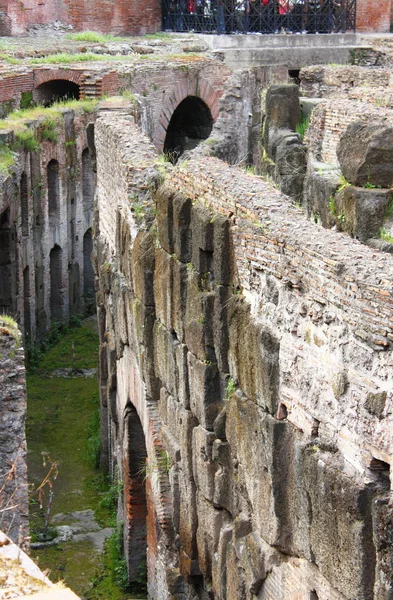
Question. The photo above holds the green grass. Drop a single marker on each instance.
(301, 128)
(65, 58)
(95, 37)
(26, 139)
(7, 160)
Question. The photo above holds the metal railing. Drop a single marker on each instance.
(263, 16)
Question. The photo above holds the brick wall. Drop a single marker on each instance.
(373, 16)
(115, 16)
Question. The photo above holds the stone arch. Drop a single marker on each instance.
(55, 90)
(88, 271)
(56, 284)
(190, 123)
(197, 87)
(6, 303)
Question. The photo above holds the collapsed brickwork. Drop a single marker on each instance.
(244, 372)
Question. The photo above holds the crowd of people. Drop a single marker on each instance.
(264, 16)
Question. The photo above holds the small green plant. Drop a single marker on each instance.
(138, 209)
(26, 139)
(231, 387)
(343, 183)
(384, 235)
(250, 170)
(90, 36)
(128, 96)
(70, 143)
(49, 132)
(341, 217)
(26, 100)
(301, 128)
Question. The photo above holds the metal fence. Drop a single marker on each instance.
(263, 16)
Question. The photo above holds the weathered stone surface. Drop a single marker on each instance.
(375, 403)
(291, 166)
(365, 153)
(205, 396)
(143, 258)
(361, 211)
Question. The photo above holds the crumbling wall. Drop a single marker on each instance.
(46, 210)
(14, 506)
(256, 354)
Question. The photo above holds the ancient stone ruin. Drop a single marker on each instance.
(241, 265)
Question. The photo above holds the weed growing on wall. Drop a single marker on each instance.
(301, 128)
(384, 235)
(66, 58)
(7, 159)
(26, 139)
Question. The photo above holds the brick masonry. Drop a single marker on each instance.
(257, 354)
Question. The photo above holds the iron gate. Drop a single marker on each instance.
(263, 16)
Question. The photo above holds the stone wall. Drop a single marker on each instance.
(119, 17)
(14, 506)
(254, 353)
(46, 233)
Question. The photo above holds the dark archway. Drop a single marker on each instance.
(5, 263)
(56, 284)
(53, 190)
(135, 496)
(88, 271)
(57, 89)
(24, 204)
(191, 123)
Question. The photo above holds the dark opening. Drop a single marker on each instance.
(313, 595)
(88, 271)
(27, 303)
(380, 466)
(56, 287)
(5, 263)
(191, 123)
(293, 75)
(24, 204)
(53, 189)
(87, 185)
(135, 496)
(58, 89)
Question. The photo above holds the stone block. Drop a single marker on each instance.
(179, 291)
(143, 259)
(383, 536)
(163, 288)
(210, 524)
(164, 219)
(365, 153)
(282, 106)
(202, 225)
(205, 397)
(253, 358)
(363, 210)
(219, 565)
(222, 298)
(199, 317)
(188, 518)
(203, 466)
(222, 256)
(320, 184)
(262, 447)
(182, 207)
(291, 160)
(341, 534)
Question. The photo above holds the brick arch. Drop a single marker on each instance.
(148, 507)
(148, 416)
(45, 75)
(188, 87)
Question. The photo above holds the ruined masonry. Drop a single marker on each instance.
(244, 299)
(247, 363)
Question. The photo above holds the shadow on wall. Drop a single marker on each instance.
(191, 123)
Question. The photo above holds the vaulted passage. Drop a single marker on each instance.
(58, 89)
(135, 481)
(191, 123)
